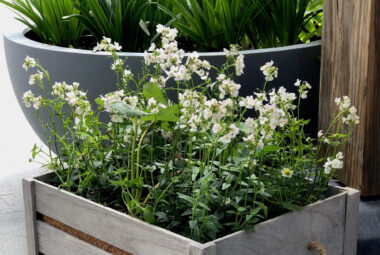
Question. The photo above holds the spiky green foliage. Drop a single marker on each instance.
(129, 22)
(44, 17)
(212, 24)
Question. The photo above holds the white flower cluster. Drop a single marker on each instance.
(227, 86)
(232, 53)
(344, 106)
(269, 71)
(28, 63)
(36, 77)
(303, 88)
(107, 45)
(29, 100)
(336, 163)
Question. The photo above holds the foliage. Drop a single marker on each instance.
(126, 21)
(207, 25)
(285, 22)
(200, 167)
(313, 28)
(213, 24)
(44, 17)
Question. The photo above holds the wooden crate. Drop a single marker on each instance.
(351, 67)
(332, 222)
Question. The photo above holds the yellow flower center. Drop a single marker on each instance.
(287, 171)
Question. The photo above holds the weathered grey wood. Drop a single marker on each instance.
(352, 222)
(203, 249)
(327, 221)
(108, 225)
(30, 215)
(350, 67)
(291, 233)
(53, 241)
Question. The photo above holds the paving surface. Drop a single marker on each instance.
(17, 139)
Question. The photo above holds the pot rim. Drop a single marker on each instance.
(21, 39)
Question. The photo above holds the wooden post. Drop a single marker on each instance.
(350, 66)
(30, 216)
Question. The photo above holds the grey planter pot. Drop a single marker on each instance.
(92, 70)
(333, 222)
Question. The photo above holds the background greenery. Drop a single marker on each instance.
(204, 25)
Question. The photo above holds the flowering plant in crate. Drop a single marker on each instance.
(204, 164)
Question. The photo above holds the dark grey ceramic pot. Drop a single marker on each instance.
(92, 70)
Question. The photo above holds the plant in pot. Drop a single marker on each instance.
(132, 24)
(199, 172)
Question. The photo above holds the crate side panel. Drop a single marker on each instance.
(110, 226)
(291, 233)
(53, 241)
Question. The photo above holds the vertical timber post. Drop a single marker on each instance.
(30, 216)
(351, 67)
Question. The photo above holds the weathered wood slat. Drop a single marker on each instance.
(113, 227)
(53, 241)
(30, 216)
(351, 67)
(291, 233)
(352, 222)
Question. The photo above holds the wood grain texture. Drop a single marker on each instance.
(350, 66)
(113, 227)
(352, 222)
(30, 216)
(327, 222)
(291, 233)
(53, 241)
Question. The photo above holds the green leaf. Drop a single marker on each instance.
(152, 90)
(225, 186)
(292, 207)
(123, 108)
(162, 115)
(186, 198)
(161, 216)
(149, 215)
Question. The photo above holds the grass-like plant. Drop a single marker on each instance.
(199, 167)
(213, 24)
(129, 22)
(45, 18)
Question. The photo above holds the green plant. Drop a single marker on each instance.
(313, 26)
(284, 22)
(44, 17)
(199, 167)
(129, 22)
(212, 24)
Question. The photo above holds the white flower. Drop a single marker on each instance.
(336, 163)
(117, 64)
(286, 172)
(269, 71)
(297, 83)
(339, 155)
(106, 45)
(28, 62)
(151, 102)
(217, 128)
(37, 102)
(226, 139)
(239, 65)
(320, 133)
(28, 98)
(38, 76)
(154, 110)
